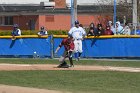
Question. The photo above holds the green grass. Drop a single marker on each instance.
(131, 63)
(75, 81)
(27, 61)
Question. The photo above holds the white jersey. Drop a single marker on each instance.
(77, 33)
(19, 32)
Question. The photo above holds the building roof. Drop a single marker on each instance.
(19, 8)
(36, 10)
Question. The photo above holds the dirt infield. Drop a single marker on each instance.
(16, 89)
(9, 67)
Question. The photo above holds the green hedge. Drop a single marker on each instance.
(34, 32)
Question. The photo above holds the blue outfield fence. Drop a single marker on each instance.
(25, 47)
(104, 46)
(112, 47)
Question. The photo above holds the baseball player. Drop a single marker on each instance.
(42, 31)
(69, 47)
(78, 33)
(16, 31)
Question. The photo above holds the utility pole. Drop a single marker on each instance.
(75, 9)
(114, 19)
(135, 14)
(73, 12)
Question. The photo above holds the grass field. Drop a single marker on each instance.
(75, 81)
(122, 63)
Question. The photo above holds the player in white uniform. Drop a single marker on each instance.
(78, 33)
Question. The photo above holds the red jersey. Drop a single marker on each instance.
(67, 43)
(108, 31)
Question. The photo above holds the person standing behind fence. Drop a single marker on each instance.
(78, 34)
(42, 31)
(111, 27)
(127, 29)
(118, 28)
(16, 31)
(136, 32)
(108, 31)
(100, 30)
(92, 30)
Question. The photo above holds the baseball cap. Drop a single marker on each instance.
(15, 25)
(42, 27)
(110, 22)
(76, 22)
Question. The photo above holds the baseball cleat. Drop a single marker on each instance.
(63, 65)
(78, 58)
(71, 66)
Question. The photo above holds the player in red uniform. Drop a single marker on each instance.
(69, 48)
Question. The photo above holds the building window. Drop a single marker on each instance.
(49, 18)
(6, 20)
(1, 20)
(51, 0)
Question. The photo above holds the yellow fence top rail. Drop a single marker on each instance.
(107, 36)
(25, 36)
(64, 36)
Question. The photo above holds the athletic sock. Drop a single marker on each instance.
(79, 54)
(76, 55)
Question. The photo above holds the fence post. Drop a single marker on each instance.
(52, 47)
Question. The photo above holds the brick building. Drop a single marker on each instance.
(54, 17)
